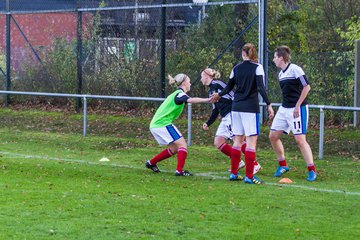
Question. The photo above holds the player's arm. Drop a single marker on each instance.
(198, 100)
(305, 91)
(181, 98)
(260, 84)
(230, 85)
(213, 116)
(261, 87)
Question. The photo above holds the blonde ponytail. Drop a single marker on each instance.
(212, 73)
(178, 79)
(171, 80)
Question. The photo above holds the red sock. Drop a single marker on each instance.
(225, 149)
(181, 156)
(235, 159)
(282, 162)
(311, 167)
(166, 153)
(250, 157)
(243, 147)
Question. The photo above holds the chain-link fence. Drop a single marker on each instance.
(331, 77)
(2, 53)
(118, 50)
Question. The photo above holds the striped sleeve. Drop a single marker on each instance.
(300, 75)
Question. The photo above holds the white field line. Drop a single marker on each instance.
(207, 175)
(289, 185)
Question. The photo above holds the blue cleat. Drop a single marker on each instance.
(253, 180)
(312, 176)
(281, 170)
(236, 177)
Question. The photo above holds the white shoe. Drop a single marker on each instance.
(241, 164)
(257, 168)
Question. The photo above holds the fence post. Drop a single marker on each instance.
(163, 49)
(321, 134)
(85, 116)
(262, 50)
(8, 52)
(79, 58)
(357, 82)
(189, 123)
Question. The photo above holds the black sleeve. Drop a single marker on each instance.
(213, 116)
(229, 87)
(261, 87)
(181, 98)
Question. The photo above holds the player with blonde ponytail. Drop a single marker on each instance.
(210, 78)
(163, 129)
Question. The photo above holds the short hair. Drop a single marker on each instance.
(250, 51)
(285, 52)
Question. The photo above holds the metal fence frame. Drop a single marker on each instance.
(189, 117)
(8, 11)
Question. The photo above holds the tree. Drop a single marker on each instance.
(310, 26)
(352, 31)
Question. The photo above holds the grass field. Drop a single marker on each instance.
(54, 187)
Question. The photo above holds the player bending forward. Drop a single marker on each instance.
(163, 129)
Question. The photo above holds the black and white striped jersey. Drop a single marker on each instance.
(223, 106)
(292, 81)
(249, 80)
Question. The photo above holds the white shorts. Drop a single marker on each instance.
(224, 129)
(166, 135)
(284, 120)
(244, 123)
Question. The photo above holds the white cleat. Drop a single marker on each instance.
(257, 168)
(241, 164)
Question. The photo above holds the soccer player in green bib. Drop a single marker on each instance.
(163, 129)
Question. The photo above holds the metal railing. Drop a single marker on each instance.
(85, 97)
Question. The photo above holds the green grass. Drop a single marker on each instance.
(54, 187)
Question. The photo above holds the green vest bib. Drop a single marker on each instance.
(167, 112)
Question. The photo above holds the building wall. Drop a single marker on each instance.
(41, 30)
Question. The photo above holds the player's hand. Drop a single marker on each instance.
(271, 112)
(205, 126)
(296, 112)
(215, 97)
